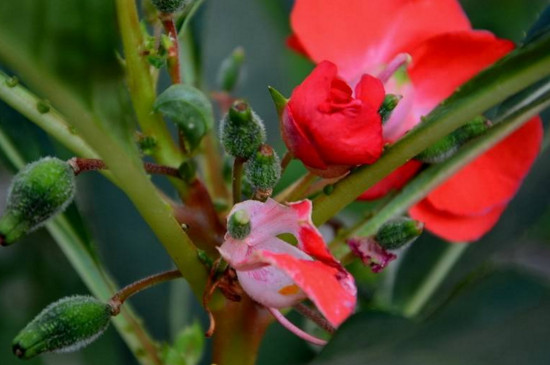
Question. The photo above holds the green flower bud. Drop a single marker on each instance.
(12, 81)
(188, 171)
(238, 225)
(263, 169)
(231, 70)
(241, 131)
(387, 107)
(448, 146)
(398, 232)
(64, 326)
(170, 6)
(147, 144)
(38, 192)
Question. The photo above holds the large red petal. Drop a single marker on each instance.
(444, 62)
(455, 228)
(394, 181)
(360, 35)
(333, 291)
(494, 177)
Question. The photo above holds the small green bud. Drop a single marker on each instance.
(12, 81)
(328, 189)
(263, 169)
(38, 192)
(43, 106)
(64, 326)
(238, 224)
(170, 6)
(156, 60)
(398, 232)
(147, 144)
(278, 99)
(387, 107)
(231, 70)
(448, 146)
(188, 171)
(241, 131)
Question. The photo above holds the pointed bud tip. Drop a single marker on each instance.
(239, 226)
(278, 99)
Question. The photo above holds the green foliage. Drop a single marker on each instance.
(189, 109)
(230, 71)
(188, 347)
(66, 325)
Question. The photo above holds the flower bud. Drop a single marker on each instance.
(388, 105)
(170, 6)
(263, 169)
(38, 192)
(238, 225)
(398, 232)
(188, 171)
(448, 146)
(64, 326)
(241, 130)
(231, 70)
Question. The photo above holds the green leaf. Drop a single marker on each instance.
(189, 109)
(541, 26)
(501, 319)
(188, 347)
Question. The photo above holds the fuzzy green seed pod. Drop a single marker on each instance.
(64, 326)
(398, 232)
(170, 6)
(241, 131)
(38, 192)
(263, 169)
(238, 225)
(388, 105)
(231, 70)
(448, 146)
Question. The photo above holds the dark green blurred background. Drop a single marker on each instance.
(501, 314)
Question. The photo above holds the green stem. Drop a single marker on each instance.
(434, 278)
(238, 166)
(510, 75)
(296, 190)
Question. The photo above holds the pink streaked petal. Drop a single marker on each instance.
(332, 290)
(371, 253)
(292, 328)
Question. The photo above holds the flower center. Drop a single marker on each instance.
(340, 100)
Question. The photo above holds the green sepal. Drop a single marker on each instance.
(64, 326)
(263, 169)
(189, 109)
(38, 192)
(230, 70)
(238, 224)
(388, 105)
(241, 131)
(398, 232)
(448, 146)
(278, 99)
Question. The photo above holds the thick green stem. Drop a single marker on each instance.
(434, 278)
(296, 190)
(513, 73)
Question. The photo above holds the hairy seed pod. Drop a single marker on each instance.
(64, 326)
(241, 131)
(38, 192)
(398, 232)
(263, 169)
(238, 225)
(170, 6)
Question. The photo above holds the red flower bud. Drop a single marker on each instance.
(328, 128)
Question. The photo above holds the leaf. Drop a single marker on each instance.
(541, 26)
(188, 347)
(189, 109)
(499, 320)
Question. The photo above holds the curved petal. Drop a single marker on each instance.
(361, 35)
(394, 181)
(444, 62)
(452, 227)
(333, 291)
(494, 177)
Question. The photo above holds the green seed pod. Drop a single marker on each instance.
(241, 131)
(64, 326)
(170, 6)
(188, 171)
(231, 70)
(238, 225)
(398, 232)
(448, 146)
(387, 107)
(263, 169)
(38, 192)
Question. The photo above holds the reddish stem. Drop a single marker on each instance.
(173, 52)
(80, 165)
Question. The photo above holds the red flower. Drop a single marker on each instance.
(364, 36)
(328, 128)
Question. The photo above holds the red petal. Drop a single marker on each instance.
(394, 181)
(333, 291)
(370, 91)
(294, 43)
(443, 63)
(455, 228)
(494, 177)
(360, 35)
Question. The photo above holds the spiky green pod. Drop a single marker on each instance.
(263, 169)
(387, 107)
(448, 146)
(231, 70)
(241, 131)
(170, 6)
(38, 192)
(398, 232)
(66, 325)
(238, 225)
